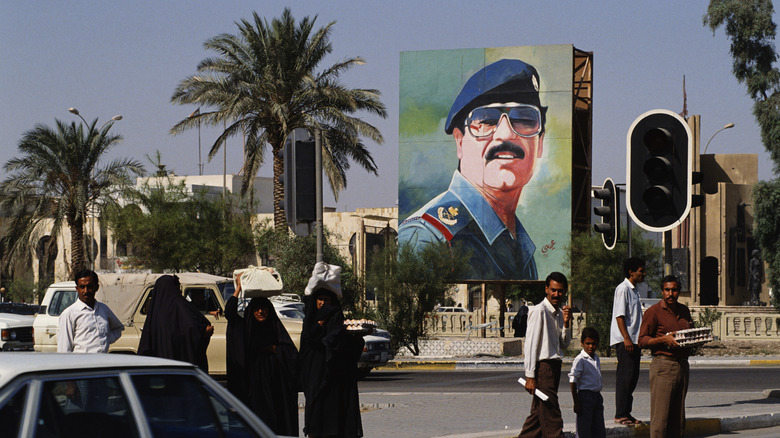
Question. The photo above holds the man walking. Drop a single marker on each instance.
(87, 326)
(669, 370)
(546, 337)
(623, 337)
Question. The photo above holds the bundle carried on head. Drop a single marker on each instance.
(325, 276)
(259, 281)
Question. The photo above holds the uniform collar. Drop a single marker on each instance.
(484, 215)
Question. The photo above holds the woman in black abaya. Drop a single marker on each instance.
(270, 364)
(329, 360)
(174, 327)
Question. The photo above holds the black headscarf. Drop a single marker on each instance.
(259, 335)
(174, 327)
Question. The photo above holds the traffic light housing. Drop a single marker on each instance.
(659, 160)
(298, 178)
(610, 206)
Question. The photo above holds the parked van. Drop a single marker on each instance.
(127, 295)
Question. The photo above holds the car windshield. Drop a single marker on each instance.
(289, 312)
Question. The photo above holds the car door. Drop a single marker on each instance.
(205, 298)
(46, 322)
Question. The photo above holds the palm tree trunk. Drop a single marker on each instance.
(280, 220)
(77, 245)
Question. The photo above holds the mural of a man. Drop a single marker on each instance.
(497, 122)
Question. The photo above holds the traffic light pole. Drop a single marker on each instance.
(318, 189)
(668, 259)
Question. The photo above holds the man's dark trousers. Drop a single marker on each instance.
(545, 418)
(627, 376)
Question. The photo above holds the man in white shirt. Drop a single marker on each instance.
(624, 338)
(87, 326)
(545, 339)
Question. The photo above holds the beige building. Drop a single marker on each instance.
(716, 241)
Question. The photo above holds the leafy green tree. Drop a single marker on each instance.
(55, 179)
(172, 229)
(264, 83)
(408, 284)
(294, 258)
(749, 26)
(596, 271)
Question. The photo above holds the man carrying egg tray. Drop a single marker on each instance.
(669, 369)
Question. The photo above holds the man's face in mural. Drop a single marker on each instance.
(503, 160)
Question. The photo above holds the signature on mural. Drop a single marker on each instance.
(549, 247)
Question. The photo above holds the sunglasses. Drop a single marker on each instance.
(525, 120)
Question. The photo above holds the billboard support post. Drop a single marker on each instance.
(318, 189)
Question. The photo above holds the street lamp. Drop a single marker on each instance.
(75, 111)
(727, 126)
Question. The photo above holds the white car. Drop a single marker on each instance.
(116, 396)
(16, 332)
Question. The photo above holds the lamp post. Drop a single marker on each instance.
(726, 126)
(75, 111)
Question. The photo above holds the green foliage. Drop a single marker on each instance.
(766, 229)
(55, 180)
(531, 293)
(707, 317)
(294, 257)
(265, 82)
(596, 271)
(171, 229)
(409, 282)
(19, 291)
(749, 26)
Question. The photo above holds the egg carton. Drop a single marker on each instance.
(360, 326)
(693, 337)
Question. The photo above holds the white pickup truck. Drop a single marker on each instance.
(127, 296)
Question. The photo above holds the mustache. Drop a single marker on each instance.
(506, 146)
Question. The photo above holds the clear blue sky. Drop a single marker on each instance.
(112, 57)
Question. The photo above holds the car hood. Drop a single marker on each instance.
(14, 320)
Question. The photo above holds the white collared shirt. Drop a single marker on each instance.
(83, 329)
(545, 337)
(586, 372)
(626, 304)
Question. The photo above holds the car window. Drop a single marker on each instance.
(203, 298)
(179, 406)
(61, 300)
(226, 288)
(291, 313)
(94, 407)
(11, 412)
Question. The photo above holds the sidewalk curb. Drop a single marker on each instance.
(451, 364)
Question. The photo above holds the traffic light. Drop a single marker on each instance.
(298, 178)
(659, 170)
(610, 205)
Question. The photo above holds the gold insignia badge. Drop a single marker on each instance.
(447, 216)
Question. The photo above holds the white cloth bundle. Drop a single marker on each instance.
(259, 281)
(325, 276)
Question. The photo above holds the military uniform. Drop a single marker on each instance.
(461, 215)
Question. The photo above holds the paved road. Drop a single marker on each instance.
(719, 379)
(489, 403)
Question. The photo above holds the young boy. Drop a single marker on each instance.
(585, 379)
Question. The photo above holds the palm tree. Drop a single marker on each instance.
(263, 85)
(55, 179)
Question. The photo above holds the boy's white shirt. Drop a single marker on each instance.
(586, 372)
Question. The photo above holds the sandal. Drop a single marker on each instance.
(635, 421)
(624, 421)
